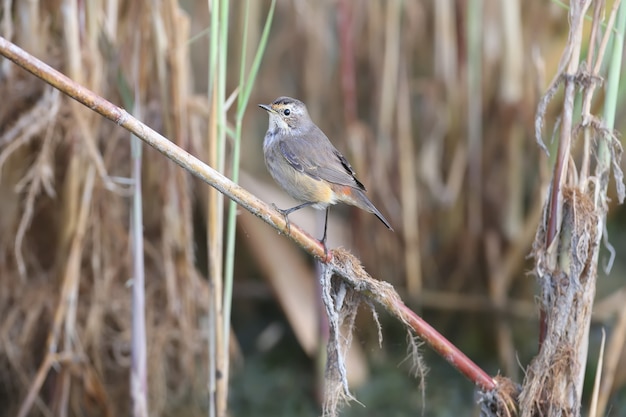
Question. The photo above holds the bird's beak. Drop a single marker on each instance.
(267, 108)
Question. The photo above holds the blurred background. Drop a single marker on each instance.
(432, 102)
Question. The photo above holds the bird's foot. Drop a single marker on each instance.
(326, 251)
(285, 214)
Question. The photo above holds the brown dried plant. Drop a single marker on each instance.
(433, 103)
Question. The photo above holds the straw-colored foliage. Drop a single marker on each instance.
(65, 298)
(432, 104)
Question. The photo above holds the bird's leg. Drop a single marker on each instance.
(323, 241)
(287, 212)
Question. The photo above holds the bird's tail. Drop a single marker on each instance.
(359, 199)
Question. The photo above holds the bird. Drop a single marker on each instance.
(303, 161)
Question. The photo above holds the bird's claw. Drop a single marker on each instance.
(285, 214)
(326, 251)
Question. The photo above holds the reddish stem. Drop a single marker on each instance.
(447, 350)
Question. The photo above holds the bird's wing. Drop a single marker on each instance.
(320, 161)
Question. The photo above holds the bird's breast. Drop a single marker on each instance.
(271, 139)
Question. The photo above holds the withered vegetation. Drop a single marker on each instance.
(433, 104)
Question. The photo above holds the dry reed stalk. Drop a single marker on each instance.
(474, 106)
(510, 95)
(433, 119)
(568, 239)
(215, 219)
(339, 262)
(65, 313)
(381, 159)
(345, 26)
(446, 47)
(618, 338)
(61, 154)
(182, 278)
(39, 177)
(139, 374)
(593, 406)
(389, 75)
(410, 193)
(216, 140)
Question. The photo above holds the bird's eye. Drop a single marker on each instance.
(286, 112)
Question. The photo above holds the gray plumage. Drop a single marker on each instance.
(303, 161)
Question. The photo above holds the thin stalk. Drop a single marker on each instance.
(231, 222)
(612, 85)
(214, 221)
(139, 379)
(616, 343)
(245, 89)
(213, 42)
(474, 114)
(232, 207)
(244, 96)
(139, 369)
(220, 113)
(221, 81)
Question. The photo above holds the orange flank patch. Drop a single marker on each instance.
(343, 190)
(343, 193)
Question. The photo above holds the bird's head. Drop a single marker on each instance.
(286, 114)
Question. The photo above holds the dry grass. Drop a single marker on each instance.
(443, 140)
(65, 271)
